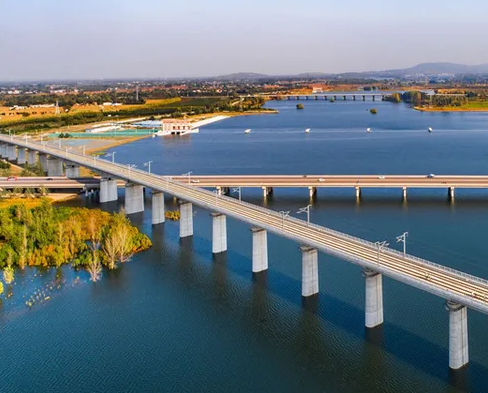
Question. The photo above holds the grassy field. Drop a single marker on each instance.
(473, 106)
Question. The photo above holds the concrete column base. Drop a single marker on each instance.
(267, 191)
(134, 198)
(404, 192)
(458, 335)
(219, 233)
(108, 190)
(55, 167)
(310, 271)
(373, 299)
(450, 193)
(11, 152)
(259, 250)
(43, 161)
(157, 215)
(358, 192)
(72, 170)
(186, 219)
(32, 157)
(312, 191)
(21, 156)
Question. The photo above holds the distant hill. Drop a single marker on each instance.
(442, 68)
(423, 68)
(239, 76)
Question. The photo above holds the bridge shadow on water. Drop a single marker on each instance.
(308, 338)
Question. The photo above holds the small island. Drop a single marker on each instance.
(373, 111)
(299, 106)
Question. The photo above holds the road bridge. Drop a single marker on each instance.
(224, 183)
(460, 290)
(52, 183)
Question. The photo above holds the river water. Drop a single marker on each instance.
(176, 319)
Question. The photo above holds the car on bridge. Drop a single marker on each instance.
(431, 176)
(12, 178)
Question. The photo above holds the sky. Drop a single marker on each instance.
(88, 39)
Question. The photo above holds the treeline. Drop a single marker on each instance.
(47, 236)
(68, 100)
(417, 98)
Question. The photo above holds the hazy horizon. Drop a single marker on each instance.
(123, 39)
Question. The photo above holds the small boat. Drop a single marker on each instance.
(368, 129)
(307, 130)
(247, 131)
(430, 129)
(153, 136)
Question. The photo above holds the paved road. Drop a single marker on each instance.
(444, 282)
(49, 182)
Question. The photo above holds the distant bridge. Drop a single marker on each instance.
(328, 96)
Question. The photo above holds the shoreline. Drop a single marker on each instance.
(451, 109)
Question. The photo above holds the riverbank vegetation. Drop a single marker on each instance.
(50, 237)
(453, 101)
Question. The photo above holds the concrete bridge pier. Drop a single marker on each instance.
(267, 191)
(374, 98)
(54, 167)
(310, 271)
(345, 98)
(157, 215)
(43, 161)
(316, 98)
(134, 198)
(405, 193)
(364, 98)
(458, 335)
(354, 98)
(186, 219)
(219, 233)
(312, 192)
(218, 190)
(21, 156)
(108, 189)
(11, 152)
(450, 193)
(3, 150)
(373, 298)
(72, 170)
(31, 157)
(259, 249)
(358, 192)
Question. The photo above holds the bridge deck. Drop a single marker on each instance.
(442, 281)
(365, 181)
